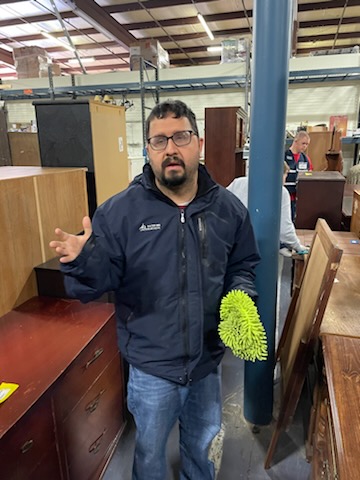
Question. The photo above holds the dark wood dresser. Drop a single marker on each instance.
(64, 420)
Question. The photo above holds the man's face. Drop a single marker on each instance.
(302, 144)
(174, 166)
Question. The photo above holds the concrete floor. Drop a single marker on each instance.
(243, 450)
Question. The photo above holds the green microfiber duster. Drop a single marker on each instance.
(240, 327)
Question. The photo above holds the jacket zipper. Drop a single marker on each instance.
(202, 236)
(183, 285)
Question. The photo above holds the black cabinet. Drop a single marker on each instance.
(319, 195)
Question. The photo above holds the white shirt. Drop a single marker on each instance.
(239, 187)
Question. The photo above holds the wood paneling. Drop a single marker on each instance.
(5, 157)
(20, 242)
(320, 143)
(342, 366)
(111, 164)
(224, 140)
(24, 147)
(33, 201)
(355, 217)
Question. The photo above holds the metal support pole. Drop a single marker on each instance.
(270, 76)
(143, 117)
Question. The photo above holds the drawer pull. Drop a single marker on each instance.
(92, 406)
(97, 354)
(95, 447)
(27, 446)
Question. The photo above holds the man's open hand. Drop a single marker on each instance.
(69, 246)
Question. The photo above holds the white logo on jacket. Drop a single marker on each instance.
(149, 227)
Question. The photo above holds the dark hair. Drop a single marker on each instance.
(177, 108)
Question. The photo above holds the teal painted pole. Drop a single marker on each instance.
(269, 85)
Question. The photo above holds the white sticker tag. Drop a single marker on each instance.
(121, 144)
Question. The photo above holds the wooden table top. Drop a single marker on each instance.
(347, 241)
(342, 365)
(342, 314)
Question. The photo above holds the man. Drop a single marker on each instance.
(170, 247)
(288, 238)
(298, 161)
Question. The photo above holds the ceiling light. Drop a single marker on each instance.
(60, 42)
(83, 60)
(215, 48)
(206, 26)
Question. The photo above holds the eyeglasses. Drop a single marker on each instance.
(159, 142)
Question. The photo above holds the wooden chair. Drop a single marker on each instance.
(355, 217)
(302, 324)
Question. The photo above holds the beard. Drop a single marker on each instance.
(173, 178)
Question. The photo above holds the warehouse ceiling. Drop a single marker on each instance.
(102, 31)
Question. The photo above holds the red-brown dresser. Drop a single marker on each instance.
(66, 417)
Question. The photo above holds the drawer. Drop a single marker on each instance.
(48, 468)
(324, 462)
(91, 428)
(24, 446)
(85, 370)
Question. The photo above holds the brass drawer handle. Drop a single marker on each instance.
(27, 446)
(97, 354)
(92, 406)
(95, 447)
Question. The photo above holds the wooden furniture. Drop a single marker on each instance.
(33, 202)
(302, 325)
(224, 141)
(347, 205)
(5, 156)
(64, 420)
(24, 147)
(337, 423)
(87, 134)
(334, 429)
(319, 195)
(347, 241)
(320, 143)
(355, 217)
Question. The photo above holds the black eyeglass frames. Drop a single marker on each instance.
(181, 139)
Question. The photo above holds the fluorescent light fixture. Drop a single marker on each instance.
(60, 42)
(215, 48)
(205, 25)
(83, 60)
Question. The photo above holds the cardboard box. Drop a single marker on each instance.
(28, 51)
(151, 51)
(31, 62)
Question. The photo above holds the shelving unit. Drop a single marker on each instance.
(181, 85)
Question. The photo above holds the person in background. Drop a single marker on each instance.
(298, 161)
(288, 238)
(170, 246)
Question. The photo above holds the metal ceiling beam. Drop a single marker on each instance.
(11, 22)
(6, 57)
(325, 22)
(320, 38)
(101, 21)
(308, 7)
(38, 36)
(133, 6)
(189, 20)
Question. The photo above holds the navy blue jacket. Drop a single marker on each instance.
(302, 165)
(169, 271)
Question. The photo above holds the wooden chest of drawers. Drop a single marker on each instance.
(336, 436)
(67, 415)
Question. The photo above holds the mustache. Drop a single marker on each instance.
(171, 160)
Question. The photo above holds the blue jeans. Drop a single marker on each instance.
(156, 405)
